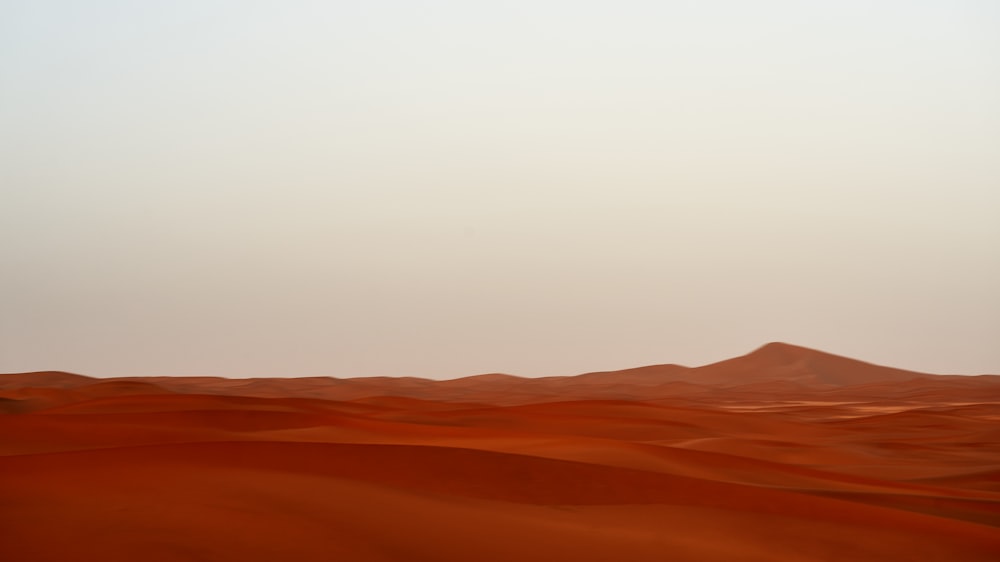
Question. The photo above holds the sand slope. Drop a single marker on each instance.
(785, 454)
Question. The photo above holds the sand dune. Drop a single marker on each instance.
(783, 454)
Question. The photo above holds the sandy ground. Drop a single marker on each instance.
(868, 469)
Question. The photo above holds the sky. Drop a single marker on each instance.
(444, 188)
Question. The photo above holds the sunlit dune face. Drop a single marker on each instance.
(500, 468)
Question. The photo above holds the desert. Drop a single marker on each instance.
(539, 280)
(783, 454)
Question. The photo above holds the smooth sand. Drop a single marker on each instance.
(831, 459)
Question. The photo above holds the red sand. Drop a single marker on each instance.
(786, 454)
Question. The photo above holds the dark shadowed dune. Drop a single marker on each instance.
(44, 379)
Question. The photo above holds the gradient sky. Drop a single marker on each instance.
(445, 188)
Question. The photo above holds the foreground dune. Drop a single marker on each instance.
(829, 459)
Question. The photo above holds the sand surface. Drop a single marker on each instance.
(785, 454)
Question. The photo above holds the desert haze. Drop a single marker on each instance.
(783, 454)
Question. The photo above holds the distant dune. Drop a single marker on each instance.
(783, 454)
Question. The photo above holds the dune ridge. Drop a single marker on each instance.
(785, 453)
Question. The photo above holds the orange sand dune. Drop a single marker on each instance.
(784, 454)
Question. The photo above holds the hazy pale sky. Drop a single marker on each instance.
(445, 188)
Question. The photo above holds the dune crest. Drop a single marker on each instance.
(783, 454)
